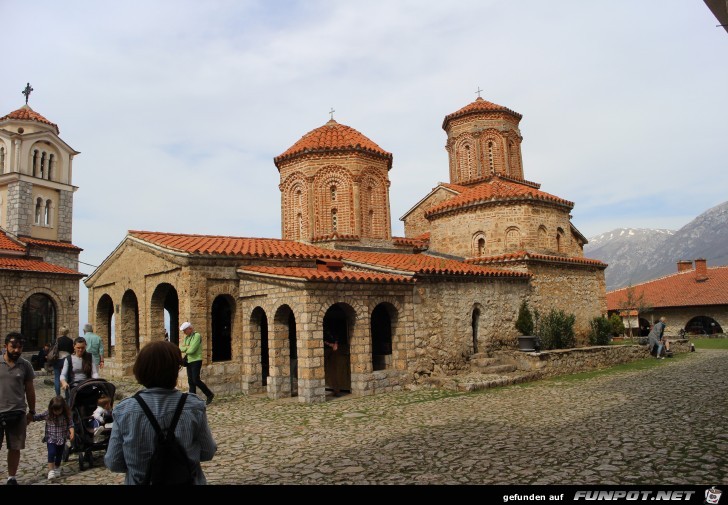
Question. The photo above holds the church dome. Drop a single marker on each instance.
(479, 106)
(25, 113)
(330, 138)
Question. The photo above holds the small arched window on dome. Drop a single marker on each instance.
(38, 210)
(334, 221)
(47, 213)
(559, 240)
(35, 162)
(478, 244)
(513, 239)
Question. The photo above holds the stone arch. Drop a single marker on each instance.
(259, 332)
(222, 315)
(383, 324)
(104, 323)
(38, 320)
(339, 319)
(282, 349)
(560, 245)
(129, 328)
(466, 157)
(543, 238)
(703, 325)
(479, 244)
(513, 241)
(164, 299)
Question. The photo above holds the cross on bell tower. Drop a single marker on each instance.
(27, 91)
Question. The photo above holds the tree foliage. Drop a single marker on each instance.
(556, 330)
(524, 323)
(600, 332)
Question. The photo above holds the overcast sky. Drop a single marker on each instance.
(179, 107)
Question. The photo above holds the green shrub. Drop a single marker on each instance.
(524, 323)
(556, 330)
(617, 325)
(601, 331)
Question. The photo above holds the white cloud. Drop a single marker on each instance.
(179, 107)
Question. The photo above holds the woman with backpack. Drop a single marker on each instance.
(134, 443)
(65, 348)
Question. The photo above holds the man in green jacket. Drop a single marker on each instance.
(191, 347)
(94, 345)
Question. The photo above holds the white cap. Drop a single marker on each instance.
(185, 325)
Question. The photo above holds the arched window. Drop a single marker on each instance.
(35, 161)
(481, 246)
(42, 164)
(2, 160)
(47, 213)
(543, 240)
(513, 239)
(334, 221)
(299, 232)
(51, 162)
(297, 202)
(559, 240)
(478, 244)
(38, 210)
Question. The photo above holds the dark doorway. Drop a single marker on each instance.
(259, 327)
(38, 322)
(292, 345)
(703, 325)
(104, 323)
(221, 329)
(337, 364)
(474, 324)
(381, 328)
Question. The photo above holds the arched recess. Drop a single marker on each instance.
(339, 320)
(475, 326)
(222, 315)
(479, 244)
(105, 322)
(165, 299)
(333, 201)
(383, 320)
(644, 328)
(513, 239)
(543, 238)
(38, 321)
(130, 320)
(259, 331)
(560, 240)
(703, 325)
(284, 335)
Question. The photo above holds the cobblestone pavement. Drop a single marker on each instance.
(664, 424)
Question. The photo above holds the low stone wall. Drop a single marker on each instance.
(581, 359)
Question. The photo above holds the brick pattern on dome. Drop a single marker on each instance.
(678, 290)
(215, 245)
(314, 275)
(53, 244)
(493, 190)
(526, 256)
(35, 266)
(479, 106)
(7, 244)
(25, 113)
(424, 264)
(330, 137)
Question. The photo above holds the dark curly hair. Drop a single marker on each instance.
(158, 365)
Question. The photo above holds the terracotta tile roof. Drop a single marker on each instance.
(314, 275)
(332, 137)
(412, 241)
(455, 187)
(478, 107)
(8, 244)
(423, 264)
(53, 244)
(215, 245)
(526, 256)
(495, 189)
(678, 290)
(335, 236)
(25, 113)
(37, 266)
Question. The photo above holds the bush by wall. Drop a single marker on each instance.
(524, 323)
(556, 330)
(600, 331)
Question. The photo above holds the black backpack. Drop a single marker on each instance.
(170, 464)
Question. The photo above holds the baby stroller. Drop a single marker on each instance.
(89, 435)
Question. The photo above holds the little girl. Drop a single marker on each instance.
(58, 429)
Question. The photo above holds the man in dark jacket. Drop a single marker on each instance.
(655, 338)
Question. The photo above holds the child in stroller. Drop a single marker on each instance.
(90, 397)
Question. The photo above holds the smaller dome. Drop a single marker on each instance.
(25, 113)
(477, 107)
(332, 137)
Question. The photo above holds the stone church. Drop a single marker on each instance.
(39, 277)
(403, 307)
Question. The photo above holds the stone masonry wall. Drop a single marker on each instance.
(415, 223)
(20, 205)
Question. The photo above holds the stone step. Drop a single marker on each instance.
(483, 361)
(478, 381)
(493, 369)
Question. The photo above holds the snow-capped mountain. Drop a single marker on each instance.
(636, 255)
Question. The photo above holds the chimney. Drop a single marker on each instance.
(701, 270)
(684, 266)
(326, 265)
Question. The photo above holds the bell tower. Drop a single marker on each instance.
(36, 191)
(483, 139)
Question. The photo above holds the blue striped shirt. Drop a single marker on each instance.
(133, 439)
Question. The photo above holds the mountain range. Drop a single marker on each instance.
(636, 255)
